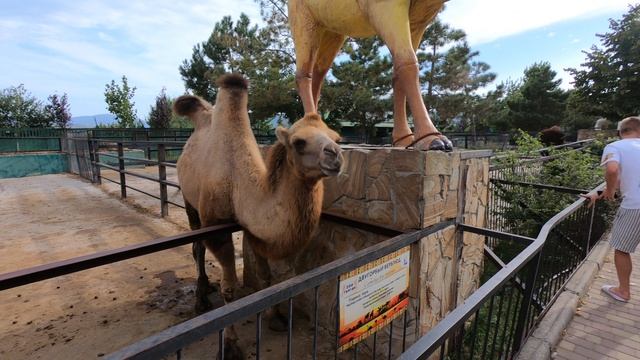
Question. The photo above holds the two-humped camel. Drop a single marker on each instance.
(225, 179)
(320, 27)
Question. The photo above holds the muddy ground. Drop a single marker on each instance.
(95, 312)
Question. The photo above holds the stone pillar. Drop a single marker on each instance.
(406, 190)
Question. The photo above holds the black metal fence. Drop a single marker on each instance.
(495, 320)
(107, 154)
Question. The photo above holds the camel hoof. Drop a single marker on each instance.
(278, 323)
(231, 351)
(203, 305)
(437, 145)
(448, 145)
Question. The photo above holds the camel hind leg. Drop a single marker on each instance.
(198, 250)
(330, 44)
(391, 21)
(306, 36)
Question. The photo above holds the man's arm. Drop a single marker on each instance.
(611, 176)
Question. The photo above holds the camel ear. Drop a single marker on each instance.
(283, 135)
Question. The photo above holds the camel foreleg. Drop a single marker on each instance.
(223, 250)
(277, 321)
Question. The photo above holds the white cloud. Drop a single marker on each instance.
(146, 40)
(485, 21)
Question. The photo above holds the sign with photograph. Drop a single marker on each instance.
(372, 295)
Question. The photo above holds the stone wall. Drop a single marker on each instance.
(405, 190)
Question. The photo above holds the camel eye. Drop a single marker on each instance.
(299, 145)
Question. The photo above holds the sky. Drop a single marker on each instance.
(76, 47)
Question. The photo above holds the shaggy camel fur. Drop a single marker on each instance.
(320, 27)
(225, 179)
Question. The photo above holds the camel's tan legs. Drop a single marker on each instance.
(385, 18)
(198, 250)
(223, 250)
(400, 123)
(306, 47)
(330, 44)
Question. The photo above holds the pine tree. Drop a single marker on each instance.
(160, 113)
(609, 83)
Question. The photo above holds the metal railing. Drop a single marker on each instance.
(99, 152)
(495, 320)
(176, 338)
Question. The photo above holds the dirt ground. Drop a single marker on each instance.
(95, 312)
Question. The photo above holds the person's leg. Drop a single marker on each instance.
(622, 261)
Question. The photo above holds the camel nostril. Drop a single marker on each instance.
(330, 152)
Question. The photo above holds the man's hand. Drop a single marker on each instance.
(592, 197)
(608, 195)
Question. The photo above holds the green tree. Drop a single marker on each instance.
(452, 76)
(609, 82)
(576, 113)
(58, 111)
(360, 88)
(260, 54)
(160, 113)
(539, 102)
(18, 108)
(119, 99)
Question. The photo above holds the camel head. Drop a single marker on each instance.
(311, 148)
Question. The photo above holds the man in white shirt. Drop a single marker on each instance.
(621, 160)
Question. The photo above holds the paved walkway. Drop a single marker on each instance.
(602, 327)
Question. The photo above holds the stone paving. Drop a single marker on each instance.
(603, 328)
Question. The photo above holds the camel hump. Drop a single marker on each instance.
(187, 105)
(232, 81)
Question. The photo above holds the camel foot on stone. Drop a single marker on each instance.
(278, 322)
(232, 351)
(403, 141)
(432, 142)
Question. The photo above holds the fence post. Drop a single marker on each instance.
(148, 147)
(162, 174)
(96, 159)
(75, 147)
(523, 315)
(123, 184)
(91, 161)
(589, 242)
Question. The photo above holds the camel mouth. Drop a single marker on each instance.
(330, 171)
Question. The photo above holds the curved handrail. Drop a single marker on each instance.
(427, 344)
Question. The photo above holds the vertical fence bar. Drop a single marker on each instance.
(123, 184)
(75, 147)
(337, 344)
(390, 339)
(221, 344)
(497, 327)
(375, 340)
(315, 323)
(404, 330)
(162, 174)
(96, 158)
(258, 334)
(290, 328)
(92, 161)
(590, 234)
(526, 302)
